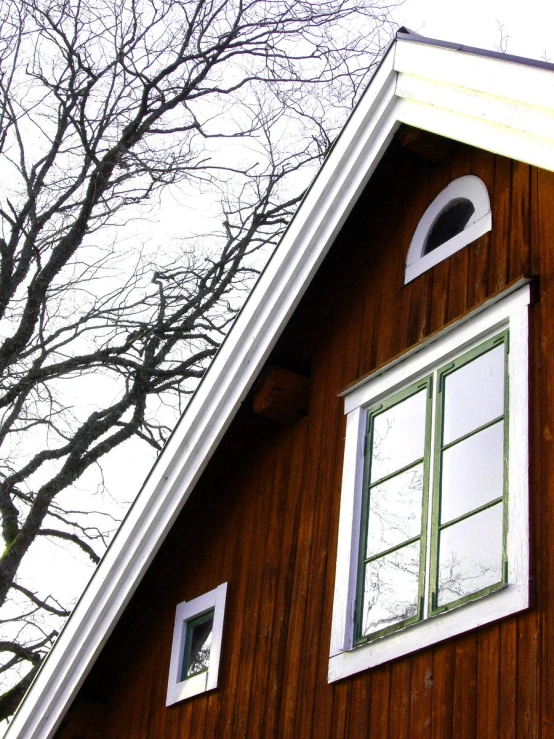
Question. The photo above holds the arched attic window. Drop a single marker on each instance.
(458, 215)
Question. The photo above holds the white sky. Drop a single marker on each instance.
(528, 25)
(527, 28)
(471, 22)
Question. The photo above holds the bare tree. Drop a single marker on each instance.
(103, 104)
(503, 38)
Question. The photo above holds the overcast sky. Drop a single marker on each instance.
(479, 23)
(471, 22)
(527, 25)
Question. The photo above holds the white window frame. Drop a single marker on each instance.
(509, 310)
(470, 187)
(178, 690)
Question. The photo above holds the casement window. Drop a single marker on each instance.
(460, 214)
(196, 646)
(433, 534)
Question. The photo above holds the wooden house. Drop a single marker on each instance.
(348, 533)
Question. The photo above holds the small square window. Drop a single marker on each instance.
(196, 658)
(433, 533)
(196, 647)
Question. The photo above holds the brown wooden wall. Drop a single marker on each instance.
(264, 516)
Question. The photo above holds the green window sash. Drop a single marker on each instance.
(481, 528)
(394, 534)
(456, 477)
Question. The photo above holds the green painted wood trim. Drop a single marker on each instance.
(436, 527)
(419, 386)
(432, 470)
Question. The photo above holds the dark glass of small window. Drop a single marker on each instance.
(450, 222)
(198, 644)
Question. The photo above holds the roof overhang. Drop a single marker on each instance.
(495, 103)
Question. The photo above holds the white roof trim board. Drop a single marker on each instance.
(500, 105)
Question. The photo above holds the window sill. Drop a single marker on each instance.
(510, 600)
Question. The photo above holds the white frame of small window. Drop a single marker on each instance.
(470, 187)
(509, 310)
(178, 690)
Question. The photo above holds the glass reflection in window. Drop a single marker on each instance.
(433, 501)
(198, 644)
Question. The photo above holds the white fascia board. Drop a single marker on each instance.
(499, 106)
(281, 286)
(491, 108)
(481, 134)
(495, 77)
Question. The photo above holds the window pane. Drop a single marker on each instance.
(390, 589)
(398, 436)
(451, 221)
(470, 555)
(199, 642)
(395, 510)
(472, 472)
(474, 394)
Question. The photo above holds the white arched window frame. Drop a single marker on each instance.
(468, 187)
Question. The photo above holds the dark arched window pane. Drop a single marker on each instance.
(450, 222)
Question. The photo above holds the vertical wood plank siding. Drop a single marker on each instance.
(264, 516)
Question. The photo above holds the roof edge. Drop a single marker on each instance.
(405, 34)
